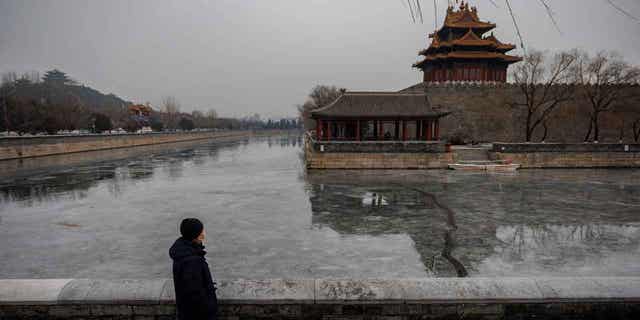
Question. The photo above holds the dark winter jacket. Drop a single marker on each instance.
(195, 288)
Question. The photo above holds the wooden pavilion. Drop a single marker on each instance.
(378, 116)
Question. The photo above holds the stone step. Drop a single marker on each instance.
(471, 154)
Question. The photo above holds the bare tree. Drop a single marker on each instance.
(544, 86)
(199, 119)
(604, 82)
(7, 89)
(320, 96)
(170, 112)
(9, 78)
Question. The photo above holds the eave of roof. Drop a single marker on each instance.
(469, 55)
(379, 105)
(465, 17)
(470, 39)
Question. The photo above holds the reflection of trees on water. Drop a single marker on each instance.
(520, 242)
(116, 175)
(71, 185)
(284, 140)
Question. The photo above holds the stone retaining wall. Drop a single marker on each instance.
(26, 147)
(559, 155)
(316, 160)
(380, 155)
(564, 147)
(431, 298)
(378, 146)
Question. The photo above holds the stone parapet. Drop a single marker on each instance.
(568, 155)
(380, 155)
(379, 146)
(317, 160)
(564, 147)
(432, 298)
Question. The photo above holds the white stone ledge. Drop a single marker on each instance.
(328, 291)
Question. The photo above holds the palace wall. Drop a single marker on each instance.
(481, 112)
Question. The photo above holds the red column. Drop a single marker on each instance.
(428, 130)
(357, 130)
(404, 130)
(318, 129)
(437, 129)
(328, 130)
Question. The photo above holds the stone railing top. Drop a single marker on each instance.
(325, 291)
(310, 135)
(377, 142)
(565, 147)
(102, 135)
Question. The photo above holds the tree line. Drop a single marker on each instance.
(599, 84)
(54, 102)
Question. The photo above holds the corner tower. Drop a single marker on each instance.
(460, 51)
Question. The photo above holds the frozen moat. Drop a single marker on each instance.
(268, 218)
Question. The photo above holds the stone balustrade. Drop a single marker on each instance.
(430, 298)
(568, 155)
(379, 146)
(564, 147)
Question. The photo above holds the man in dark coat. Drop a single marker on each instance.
(195, 288)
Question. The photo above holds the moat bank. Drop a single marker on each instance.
(437, 155)
(475, 298)
(27, 147)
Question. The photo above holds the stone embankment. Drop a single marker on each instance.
(375, 154)
(317, 160)
(432, 298)
(27, 147)
(563, 155)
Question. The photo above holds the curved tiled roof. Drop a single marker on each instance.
(469, 39)
(500, 45)
(469, 55)
(379, 105)
(466, 17)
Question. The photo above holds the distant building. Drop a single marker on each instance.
(141, 115)
(140, 110)
(460, 51)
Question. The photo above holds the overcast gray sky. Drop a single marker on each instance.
(246, 56)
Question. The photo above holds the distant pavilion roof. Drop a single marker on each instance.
(470, 39)
(379, 105)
